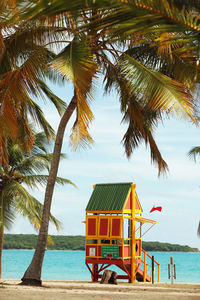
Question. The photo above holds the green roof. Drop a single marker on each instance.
(108, 196)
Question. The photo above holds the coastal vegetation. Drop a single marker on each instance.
(148, 51)
(22, 173)
(61, 242)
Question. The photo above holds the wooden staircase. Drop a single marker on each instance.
(140, 276)
(143, 271)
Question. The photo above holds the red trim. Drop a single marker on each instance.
(110, 261)
(88, 247)
(124, 265)
(89, 269)
(104, 267)
(149, 256)
(107, 261)
(127, 272)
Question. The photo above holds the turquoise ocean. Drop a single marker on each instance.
(70, 265)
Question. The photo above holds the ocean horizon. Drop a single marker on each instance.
(70, 265)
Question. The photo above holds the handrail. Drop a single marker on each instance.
(145, 266)
(150, 256)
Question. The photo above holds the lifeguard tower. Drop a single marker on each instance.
(114, 233)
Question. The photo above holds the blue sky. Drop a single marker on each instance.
(105, 161)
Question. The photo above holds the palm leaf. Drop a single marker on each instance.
(198, 230)
(15, 154)
(194, 152)
(32, 209)
(172, 65)
(7, 213)
(22, 69)
(77, 64)
(38, 117)
(35, 180)
(141, 119)
(146, 16)
(59, 103)
(33, 164)
(22, 169)
(158, 90)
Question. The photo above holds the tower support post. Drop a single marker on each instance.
(133, 234)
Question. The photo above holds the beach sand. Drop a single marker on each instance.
(83, 290)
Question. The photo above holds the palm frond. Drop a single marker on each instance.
(25, 204)
(20, 191)
(7, 211)
(77, 64)
(172, 65)
(32, 209)
(198, 230)
(59, 103)
(159, 91)
(194, 153)
(21, 170)
(146, 16)
(41, 143)
(142, 121)
(37, 116)
(25, 137)
(34, 164)
(15, 154)
(35, 180)
(19, 80)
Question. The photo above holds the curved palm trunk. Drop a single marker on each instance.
(1, 247)
(32, 276)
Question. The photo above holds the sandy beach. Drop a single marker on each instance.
(82, 290)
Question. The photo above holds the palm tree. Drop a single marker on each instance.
(149, 86)
(81, 69)
(23, 60)
(24, 170)
(151, 62)
(23, 75)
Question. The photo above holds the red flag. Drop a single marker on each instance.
(159, 208)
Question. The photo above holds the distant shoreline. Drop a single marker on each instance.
(77, 242)
(84, 250)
